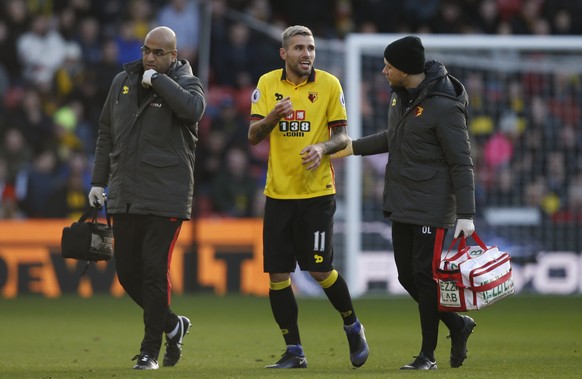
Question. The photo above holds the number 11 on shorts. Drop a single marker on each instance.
(319, 241)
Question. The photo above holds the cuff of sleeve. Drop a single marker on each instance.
(355, 147)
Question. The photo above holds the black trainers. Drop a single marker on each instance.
(174, 344)
(421, 362)
(145, 362)
(290, 360)
(459, 342)
(358, 346)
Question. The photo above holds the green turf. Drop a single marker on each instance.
(235, 336)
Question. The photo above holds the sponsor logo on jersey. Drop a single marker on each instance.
(295, 124)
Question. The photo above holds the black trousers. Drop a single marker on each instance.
(143, 252)
(413, 253)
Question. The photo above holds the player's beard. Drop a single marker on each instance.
(299, 71)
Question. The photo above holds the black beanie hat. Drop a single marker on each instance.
(406, 54)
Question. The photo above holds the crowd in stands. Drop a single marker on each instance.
(58, 59)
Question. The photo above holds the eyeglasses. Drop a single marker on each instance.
(157, 53)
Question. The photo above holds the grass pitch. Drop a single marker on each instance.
(235, 336)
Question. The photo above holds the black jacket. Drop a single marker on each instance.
(145, 151)
(429, 175)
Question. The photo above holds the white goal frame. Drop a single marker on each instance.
(355, 46)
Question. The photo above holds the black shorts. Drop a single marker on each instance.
(298, 231)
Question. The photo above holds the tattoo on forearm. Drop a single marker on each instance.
(261, 131)
(337, 141)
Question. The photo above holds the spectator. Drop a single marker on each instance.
(37, 184)
(70, 76)
(31, 120)
(15, 152)
(69, 199)
(183, 16)
(104, 71)
(488, 17)
(236, 64)
(8, 204)
(13, 24)
(128, 44)
(209, 159)
(42, 50)
(140, 13)
(234, 190)
(231, 122)
(552, 114)
(90, 41)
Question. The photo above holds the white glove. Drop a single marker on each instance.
(346, 151)
(147, 77)
(97, 197)
(464, 226)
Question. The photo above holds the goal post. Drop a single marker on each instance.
(509, 76)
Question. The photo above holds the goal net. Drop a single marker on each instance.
(526, 134)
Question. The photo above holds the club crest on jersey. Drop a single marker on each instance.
(419, 111)
(313, 96)
(125, 90)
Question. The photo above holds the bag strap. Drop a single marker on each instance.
(477, 239)
(438, 248)
(91, 212)
(463, 242)
(493, 284)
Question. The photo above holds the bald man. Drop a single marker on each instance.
(144, 174)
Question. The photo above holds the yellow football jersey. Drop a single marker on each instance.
(318, 106)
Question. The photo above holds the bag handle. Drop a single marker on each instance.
(463, 242)
(438, 245)
(91, 213)
(475, 238)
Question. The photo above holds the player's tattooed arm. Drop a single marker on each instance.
(338, 140)
(259, 130)
(312, 155)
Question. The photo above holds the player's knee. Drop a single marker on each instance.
(280, 285)
(325, 279)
